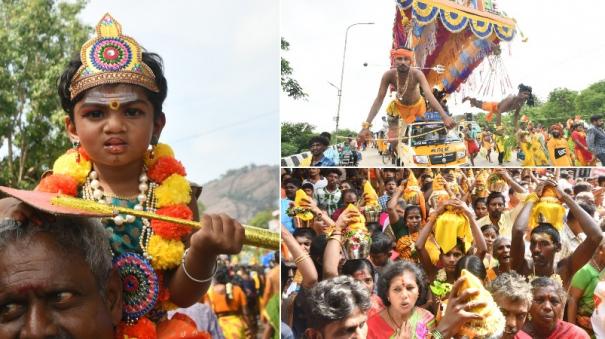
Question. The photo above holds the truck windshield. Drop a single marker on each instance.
(431, 134)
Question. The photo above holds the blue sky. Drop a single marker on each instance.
(222, 65)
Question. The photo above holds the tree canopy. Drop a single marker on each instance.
(289, 85)
(37, 39)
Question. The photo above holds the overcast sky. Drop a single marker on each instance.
(222, 65)
(565, 48)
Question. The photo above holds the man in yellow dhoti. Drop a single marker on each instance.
(408, 104)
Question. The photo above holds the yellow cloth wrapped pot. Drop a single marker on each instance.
(548, 210)
(481, 190)
(439, 193)
(357, 223)
(449, 226)
(492, 324)
(302, 213)
(412, 194)
(495, 183)
(370, 197)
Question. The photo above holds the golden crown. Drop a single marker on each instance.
(111, 58)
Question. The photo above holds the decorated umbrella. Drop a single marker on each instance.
(459, 37)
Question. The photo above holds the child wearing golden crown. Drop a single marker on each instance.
(113, 95)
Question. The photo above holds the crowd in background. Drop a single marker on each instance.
(438, 253)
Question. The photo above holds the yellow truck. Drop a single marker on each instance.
(428, 143)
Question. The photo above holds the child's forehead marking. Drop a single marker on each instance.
(111, 98)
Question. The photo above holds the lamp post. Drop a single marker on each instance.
(342, 72)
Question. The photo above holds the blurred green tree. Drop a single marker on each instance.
(37, 40)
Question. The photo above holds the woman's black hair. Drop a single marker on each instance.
(381, 243)
(410, 208)
(318, 246)
(355, 265)
(154, 61)
(396, 269)
(459, 245)
(488, 226)
(222, 275)
(342, 197)
(479, 200)
(473, 264)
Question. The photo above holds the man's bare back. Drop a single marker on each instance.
(508, 104)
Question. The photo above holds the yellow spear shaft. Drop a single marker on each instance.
(254, 236)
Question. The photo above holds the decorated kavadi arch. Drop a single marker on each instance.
(457, 36)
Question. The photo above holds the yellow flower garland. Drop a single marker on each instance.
(165, 254)
(174, 190)
(74, 165)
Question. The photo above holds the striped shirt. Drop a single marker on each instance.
(595, 138)
(327, 200)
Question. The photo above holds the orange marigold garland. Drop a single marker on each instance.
(171, 230)
(142, 329)
(58, 183)
(165, 167)
(83, 153)
(406, 247)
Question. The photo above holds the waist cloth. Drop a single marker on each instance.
(408, 113)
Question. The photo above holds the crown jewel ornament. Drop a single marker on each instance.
(111, 58)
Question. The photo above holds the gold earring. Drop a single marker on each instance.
(76, 145)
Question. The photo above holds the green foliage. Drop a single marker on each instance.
(289, 85)
(343, 133)
(591, 100)
(563, 104)
(261, 219)
(37, 40)
(295, 137)
(560, 106)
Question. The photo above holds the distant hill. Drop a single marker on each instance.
(241, 193)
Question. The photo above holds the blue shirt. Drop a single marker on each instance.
(323, 162)
(332, 154)
(286, 220)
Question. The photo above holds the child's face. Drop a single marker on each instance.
(114, 124)
(490, 235)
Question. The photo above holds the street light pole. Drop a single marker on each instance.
(342, 72)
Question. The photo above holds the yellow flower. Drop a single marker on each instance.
(160, 150)
(165, 254)
(67, 164)
(173, 191)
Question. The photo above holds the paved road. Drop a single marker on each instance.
(371, 158)
(481, 161)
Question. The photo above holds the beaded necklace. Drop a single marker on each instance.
(400, 94)
(125, 226)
